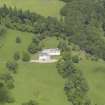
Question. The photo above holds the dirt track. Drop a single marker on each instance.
(41, 61)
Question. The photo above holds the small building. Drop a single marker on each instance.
(52, 52)
(48, 55)
(44, 57)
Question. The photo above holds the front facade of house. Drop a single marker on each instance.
(44, 57)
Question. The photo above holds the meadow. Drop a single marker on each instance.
(32, 81)
(94, 72)
(43, 7)
(42, 81)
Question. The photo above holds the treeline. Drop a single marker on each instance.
(2, 31)
(28, 21)
(76, 87)
(85, 24)
(6, 84)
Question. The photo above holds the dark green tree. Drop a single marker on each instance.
(75, 59)
(18, 40)
(12, 66)
(8, 80)
(34, 48)
(5, 96)
(25, 57)
(31, 102)
(16, 56)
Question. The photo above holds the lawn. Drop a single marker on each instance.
(43, 7)
(33, 81)
(39, 82)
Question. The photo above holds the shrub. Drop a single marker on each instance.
(12, 66)
(75, 59)
(16, 56)
(33, 48)
(25, 57)
(18, 40)
(31, 102)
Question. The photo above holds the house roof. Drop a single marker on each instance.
(51, 50)
(44, 54)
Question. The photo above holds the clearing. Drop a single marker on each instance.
(33, 81)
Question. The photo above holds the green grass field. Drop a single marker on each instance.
(43, 7)
(9, 46)
(33, 81)
(94, 72)
(41, 81)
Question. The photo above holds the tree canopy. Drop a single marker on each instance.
(84, 24)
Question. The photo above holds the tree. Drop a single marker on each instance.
(65, 68)
(18, 40)
(25, 57)
(2, 31)
(35, 40)
(12, 66)
(5, 96)
(63, 45)
(76, 87)
(31, 102)
(34, 48)
(85, 25)
(75, 59)
(8, 80)
(16, 56)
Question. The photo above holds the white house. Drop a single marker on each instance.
(48, 54)
(44, 57)
(52, 52)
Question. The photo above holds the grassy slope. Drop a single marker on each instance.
(47, 86)
(94, 72)
(41, 81)
(10, 46)
(33, 81)
(44, 7)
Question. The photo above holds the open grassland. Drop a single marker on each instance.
(43, 7)
(94, 72)
(33, 81)
(41, 81)
(9, 45)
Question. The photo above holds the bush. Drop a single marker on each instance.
(31, 102)
(5, 96)
(16, 56)
(8, 80)
(33, 48)
(25, 57)
(12, 66)
(63, 46)
(75, 59)
(18, 40)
